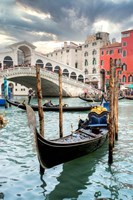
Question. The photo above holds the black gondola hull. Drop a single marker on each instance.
(51, 154)
(54, 108)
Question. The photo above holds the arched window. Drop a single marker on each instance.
(124, 79)
(86, 71)
(124, 53)
(81, 78)
(94, 70)
(76, 65)
(65, 72)
(94, 61)
(56, 69)
(130, 78)
(86, 62)
(94, 52)
(49, 67)
(86, 54)
(39, 62)
(124, 67)
(73, 75)
(8, 62)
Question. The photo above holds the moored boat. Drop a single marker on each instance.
(128, 97)
(87, 138)
(52, 108)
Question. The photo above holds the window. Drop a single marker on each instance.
(102, 53)
(94, 52)
(86, 46)
(86, 71)
(102, 62)
(124, 67)
(111, 51)
(94, 43)
(107, 52)
(124, 79)
(125, 35)
(94, 70)
(124, 53)
(124, 44)
(86, 54)
(86, 62)
(119, 72)
(130, 79)
(76, 65)
(119, 50)
(94, 61)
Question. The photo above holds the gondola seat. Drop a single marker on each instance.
(98, 120)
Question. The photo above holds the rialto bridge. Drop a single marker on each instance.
(49, 81)
(17, 64)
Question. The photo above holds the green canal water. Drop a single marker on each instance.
(87, 178)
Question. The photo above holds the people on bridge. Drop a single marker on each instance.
(30, 94)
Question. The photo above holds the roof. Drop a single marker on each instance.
(22, 43)
(115, 44)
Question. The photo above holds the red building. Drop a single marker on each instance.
(127, 56)
(122, 54)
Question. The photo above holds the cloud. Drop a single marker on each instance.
(63, 20)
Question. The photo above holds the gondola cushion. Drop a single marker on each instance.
(98, 121)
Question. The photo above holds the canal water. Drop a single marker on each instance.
(86, 178)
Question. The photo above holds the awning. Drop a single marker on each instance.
(130, 86)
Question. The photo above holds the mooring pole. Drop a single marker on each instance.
(111, 113)
(5, 91)
(40, 108)
(60, 104)
(116, 106)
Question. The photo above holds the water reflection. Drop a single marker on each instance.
(74, 178)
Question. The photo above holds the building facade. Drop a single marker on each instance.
(70, 54)
(84, 57)
(127, 57)
(91, 57)
(122, 54)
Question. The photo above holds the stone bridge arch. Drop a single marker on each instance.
(50, 81)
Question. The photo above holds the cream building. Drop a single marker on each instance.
(69, 54)
(91, 57)
(85, 57)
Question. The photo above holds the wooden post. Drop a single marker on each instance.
(60, 104)
(116, 107)
(5, 91)
(111, 113)
(40, 107)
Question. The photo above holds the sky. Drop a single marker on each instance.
(48, 23)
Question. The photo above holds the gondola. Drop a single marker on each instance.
(90, 99)
(128, 97)
(52, 108)
(97, 100)
(89, 136)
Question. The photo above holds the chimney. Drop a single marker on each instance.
(113, 40)
(65, 44)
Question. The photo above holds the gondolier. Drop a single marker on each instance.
(30, 94)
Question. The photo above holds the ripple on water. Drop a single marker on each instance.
(89, 177)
